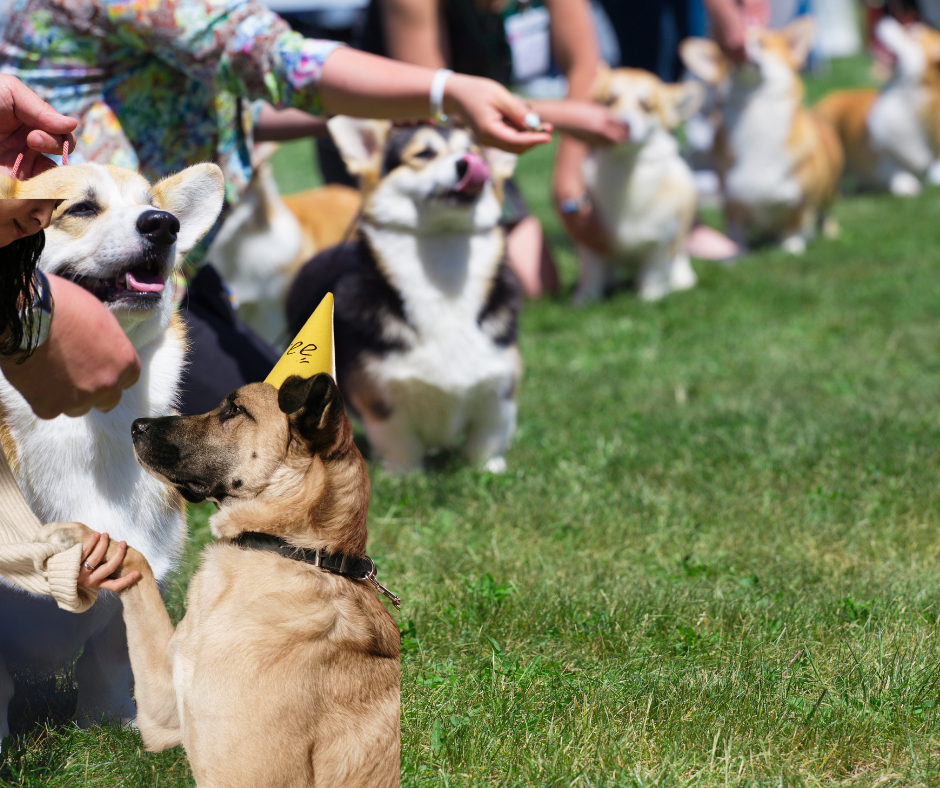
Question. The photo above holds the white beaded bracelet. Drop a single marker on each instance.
(437, 96)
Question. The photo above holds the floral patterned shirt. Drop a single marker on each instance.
(157, 85)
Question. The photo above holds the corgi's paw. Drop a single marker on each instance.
(795, 244)
(496, 465)
(905, 184)
(831, 228)
(933, 173)
(587, 295)
(682, 276)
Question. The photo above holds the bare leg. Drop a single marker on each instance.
(530, 259)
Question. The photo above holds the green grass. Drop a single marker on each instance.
(715, 557)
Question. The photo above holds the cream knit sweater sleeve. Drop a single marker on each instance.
(37, 566)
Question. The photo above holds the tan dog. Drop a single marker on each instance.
(281, 673)
(642, 188)
(892, 136)
(778, 163)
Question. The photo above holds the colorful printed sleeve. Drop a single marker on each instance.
(236, 46)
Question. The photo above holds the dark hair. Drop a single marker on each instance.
(18, 294)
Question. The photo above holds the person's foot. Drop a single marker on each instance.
(706, 243)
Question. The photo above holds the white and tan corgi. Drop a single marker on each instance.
(267, 237)
(120, 239)
(891, 136)
(425, 305)
(643, 189)
(779, 164)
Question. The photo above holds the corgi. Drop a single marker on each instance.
(121, 239)
(266, 238)
(642, 189)
(778, 163)
(892, 136)
(425, 304)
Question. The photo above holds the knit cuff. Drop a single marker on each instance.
(62, 575)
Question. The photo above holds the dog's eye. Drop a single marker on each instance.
(427, 153)
(84, 208)
(233, 410)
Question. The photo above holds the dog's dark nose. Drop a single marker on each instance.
(159, 227)
(139, 427)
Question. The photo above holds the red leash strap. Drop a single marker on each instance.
(65, 158)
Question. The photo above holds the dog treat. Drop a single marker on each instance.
(533, 121)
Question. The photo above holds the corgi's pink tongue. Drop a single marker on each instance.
(145, 281)
(474, 177)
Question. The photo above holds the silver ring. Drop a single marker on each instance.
(88, 566)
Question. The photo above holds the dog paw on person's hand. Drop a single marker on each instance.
(109, 565)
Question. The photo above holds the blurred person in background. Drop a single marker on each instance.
(158, 87)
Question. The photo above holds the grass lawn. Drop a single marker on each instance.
(714, 559)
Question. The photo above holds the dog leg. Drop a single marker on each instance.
(396, 443)
(6, 695)
(149, 633)
(489, 431)
(103, 672)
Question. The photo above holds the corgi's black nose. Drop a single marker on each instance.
(158, 227)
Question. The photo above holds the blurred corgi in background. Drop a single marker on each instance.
(643, 189)
(266, 238)
(779, 164)
(892, 136)
(425, 304)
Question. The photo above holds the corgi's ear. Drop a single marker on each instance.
(194, 196)
(360, 143)
(681, 101)
(704, 59)
(600, 87)
(799, 35)
(7, 188)
(502, 163)
(892, 35)
(262, 152)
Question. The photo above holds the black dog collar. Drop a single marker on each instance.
(337, 563)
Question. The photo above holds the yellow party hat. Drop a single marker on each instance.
(311, 351)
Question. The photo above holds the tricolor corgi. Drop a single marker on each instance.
(267, 237)
(892, 136)
(119, 238)
(425, 303)
(642, 189)
(779, 165)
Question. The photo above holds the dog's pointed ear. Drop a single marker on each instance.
(313, 404)
(681, 101)
(194, 196)
(704, 59)
(360, 143)
(799, 35)
(502, 163)
(600, 87)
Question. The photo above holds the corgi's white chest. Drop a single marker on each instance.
(443, 281)
(642, 197)
(895, 126)
(758, 130)
(83, 469)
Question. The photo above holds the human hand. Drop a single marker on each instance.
(730, 21)
(28, 125)
(496, 116)
(583, 120)
(100, 559)
(86, 362)
(584, 224)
